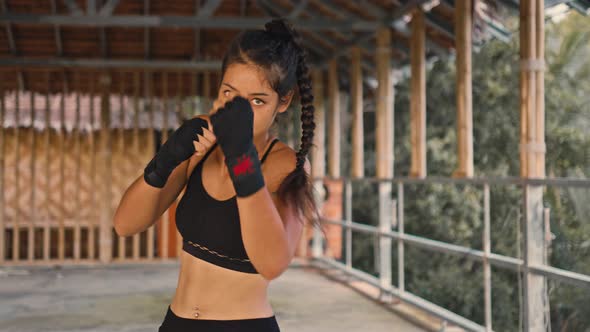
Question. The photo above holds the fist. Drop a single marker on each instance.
(204, 142)
(233, 126)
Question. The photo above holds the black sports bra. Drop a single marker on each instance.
(210, 228)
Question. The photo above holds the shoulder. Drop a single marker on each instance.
(282, 160)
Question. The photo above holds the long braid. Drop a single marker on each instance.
(307, 108)
(297, 186)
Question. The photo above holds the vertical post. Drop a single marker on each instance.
(348, 221)
(46, 226)
(487, 272)
(62, 166)
(532, 157)
(318, 162)
(384, 153)
(463, 28)
(540, 91)
(136, 89)
(384, 111)
(78, 152)
(16, 228)
(34, 215)
(400, 243)
(418, 96)
(106, 216)
(334, 118)
(121, 152)
(93, 169)
(356, 103)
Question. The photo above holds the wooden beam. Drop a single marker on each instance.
(418, 96)
(463, 43)
(384, 107)
(334, 120)
(356, 104)
(318, 154)
(105, 148)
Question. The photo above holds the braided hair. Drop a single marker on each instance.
(277, 50)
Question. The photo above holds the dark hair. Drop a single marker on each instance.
(277, 50)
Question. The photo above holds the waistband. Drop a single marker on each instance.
(261, 324)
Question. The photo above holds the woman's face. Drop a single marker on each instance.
(250, 82)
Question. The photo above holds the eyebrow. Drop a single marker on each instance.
(252, 94)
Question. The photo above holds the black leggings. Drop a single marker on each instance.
(173, 323)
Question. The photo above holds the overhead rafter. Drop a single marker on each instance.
(111, 63)
(178, 21)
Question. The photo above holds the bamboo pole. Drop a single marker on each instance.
(47, 226)
(356, 103)
(78, 153)
(106, 216)
(418, 96)
(62, 173)
(93, 171)
(334, 118)
(318, 154)
(33, 216)
(463, 41)
(121, 151)
(15, 229)
(384, 114)
(540, 92)
(136, 87)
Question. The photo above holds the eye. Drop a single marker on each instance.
(224, 92)
(261, 101)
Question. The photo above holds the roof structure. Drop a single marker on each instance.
(191, 36)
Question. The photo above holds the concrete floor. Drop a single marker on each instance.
(133, 297)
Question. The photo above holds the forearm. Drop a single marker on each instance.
(137, 209)
(263, 233)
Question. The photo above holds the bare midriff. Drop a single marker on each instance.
(218, 293)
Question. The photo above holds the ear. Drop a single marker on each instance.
(285, 102)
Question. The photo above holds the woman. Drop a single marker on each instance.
(241, 216)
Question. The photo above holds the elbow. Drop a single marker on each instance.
(273, 272)
(118, 229)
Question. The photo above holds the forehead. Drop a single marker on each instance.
(247, 78)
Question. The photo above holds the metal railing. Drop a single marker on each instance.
(529, 266)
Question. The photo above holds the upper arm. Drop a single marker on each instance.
(293, 221)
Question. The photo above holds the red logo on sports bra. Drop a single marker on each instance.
(244, 165)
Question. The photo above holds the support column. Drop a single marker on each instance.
(384, 112)
(106, 214)
(532, 157)
(384, 154)
(418, 96)
(334, 119)
(318, 161)
(463, 42)
(356, 103)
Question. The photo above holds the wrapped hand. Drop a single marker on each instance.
(233, 126)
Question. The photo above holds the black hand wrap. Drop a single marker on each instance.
(178, 148)
(233, 126)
